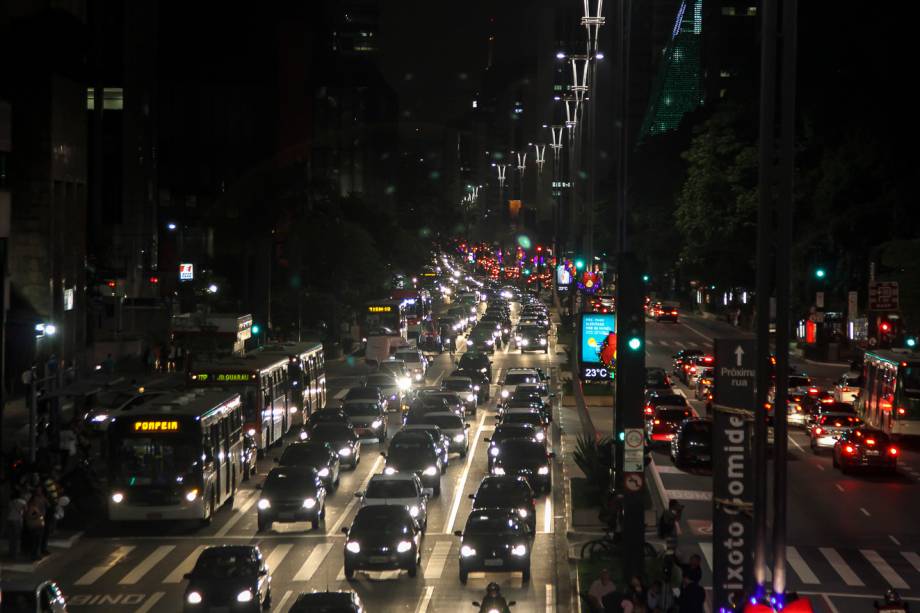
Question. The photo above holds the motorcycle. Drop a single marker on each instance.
(494, 605)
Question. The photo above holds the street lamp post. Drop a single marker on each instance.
(502, 170)
(592, 19)
(572, 106)
(521, 167)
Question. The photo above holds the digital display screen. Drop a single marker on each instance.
(156, 425)
(595, 327)
(230, 377)
(594, 373)
(563, 277)
(379, 309)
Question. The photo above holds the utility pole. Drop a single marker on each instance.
(592, 19)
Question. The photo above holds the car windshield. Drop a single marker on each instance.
(490, 525)
(673, 414)
(457, 385)
(839, 407)
(385, 519)
(361, 410)
(361, 392)
(515, 378)
(289, 480)
(141, 460)
(445, 422)
(308, 454)
(332, 432)
(409, 444)
(226, 566)
(381, 380)
(493, 493)
(402, 488)
(522, 449)
(840, 421)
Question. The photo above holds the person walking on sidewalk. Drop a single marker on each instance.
(52, 492)
(34, 522)
(14, 523)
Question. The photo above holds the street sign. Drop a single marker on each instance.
(186, 271)
(819, 300)
(633, 481)
(883, 296)
(852, 305)
(634, 450)
(735, 372)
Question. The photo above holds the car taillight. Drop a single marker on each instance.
(819, 431)
(812, 391)
(870, 441)
(648, 410)
(693, 369)
(673, 312)
(656, 422)
(902, 411)
(708, 359)
(827, 401)
(849, 449)
(892, 451)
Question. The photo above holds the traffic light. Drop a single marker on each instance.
(526, 272)
(646, 278)
(579, 264)
(820, 273)
(910, 342)
(634, 343)
(884, 327)
(256, 329)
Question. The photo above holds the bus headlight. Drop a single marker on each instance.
(309, 503)
(264, 504)
(118, 497)
(244, 596)
(430, 471)
(191, 495)
(193, 598)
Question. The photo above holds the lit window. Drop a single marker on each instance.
(728, 10)
(113, 99)
(724, 74)
(752, 11)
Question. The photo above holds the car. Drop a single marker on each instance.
(509, 431)
(343, 440)
(834, 408)
(441, 441)
(691, 366)
(847, 387)
(463, 387)
(692, 443)
(415, 361)
(525, 458)
(454, 402)
(453, 427)
(369, 418)
(663, 399)
(427, 403)
(531, 338)
(480, 381)
(390, 386)
(865, 448)
(328, 415)
(532, 416)
(481, 339)
(508, 492)
(328, 602)
(397, 368)
(33, 596)
(705, 384)
(229, 577)
(365, 393)
(823, 434)
(666, 313)
(657, 379)
(250, 456)
(494, 540)
(476, 361)
(514, 377)
(682, 356)
(415, 452)
(321, 457)
(404, 489)
(663, 425)
(384, 537)
(292, 494)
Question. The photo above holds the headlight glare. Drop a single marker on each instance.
(191, 495)
(476, 387)
(522, 512)
(505, 393)
(345, 451)
(309, 503)
(519, 550)
(323, 472)
(244, 596)
(414, 510)
(498, 470)
(353, 546)
(459, 438)
(494, 452)
(264, 504)
(389, 470)
(193, 598)
(543, 470)
(376, 424)
(430, 471)
(404, 546)
(251, 432)
(466, 551)
(118, 497)
(470, 397)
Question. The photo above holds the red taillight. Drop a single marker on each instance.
(813, 391)
(902, 411)
(819, 431)
(892, 451)
(849, 449)
(870, 441)
(693, 369)
(657, 422)
(673, 312)
(827, 401)
(708, 359)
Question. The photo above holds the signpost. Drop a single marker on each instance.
(595, 328)
(883, 296)
(186, 271)
(634, 451)
(732, 482)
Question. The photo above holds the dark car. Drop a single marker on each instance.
(481, 339)
(666, 313)
(526, 396)
(229, 578)
(292, 494)
(418, 453)
(343, 440)
(684, 355)
(480, 382)
(832, 408)
(427, 403)
(865, 448)
(532, 416)
(506, 431)
(250, 456)
(657, 379)
(328, 602)
(368, 417)
(320, 457)
(532, 338)
(441, 440)
(494, 540)
(382, 537)
(510, 493)
(476, 361)
(692, 443)
(457, 405)
(328, 416)
(364, 393)
(654, 401)
(525, 458)
(463, 387)
(663, 425)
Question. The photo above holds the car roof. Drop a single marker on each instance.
(221, 550)
(394, 477)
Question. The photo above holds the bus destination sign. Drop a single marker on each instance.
(156, 425)
(230, 377)
(379, 309)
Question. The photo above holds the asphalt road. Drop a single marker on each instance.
(850, 537)
(140, 568)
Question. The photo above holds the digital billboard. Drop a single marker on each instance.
(597, 349)
(563, 277)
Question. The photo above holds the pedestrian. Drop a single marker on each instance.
(14, 521)
(52, 492)
(692, 569)
(653, 598)
(34, 523)
(692, 597)
(600, 588)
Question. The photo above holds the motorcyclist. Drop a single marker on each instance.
(493, 599)
(892, 602)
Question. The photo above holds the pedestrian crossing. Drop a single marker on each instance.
(672, 344)
(833, 568)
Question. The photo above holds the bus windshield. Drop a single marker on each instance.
(153, 460)
(911, 380)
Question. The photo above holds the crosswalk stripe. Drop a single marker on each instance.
(884, 569)
(240, 513)
(425, 599)
(146, 564)
(799, 565)
(150, 602)
(93, 574)
(176, 576)
(437, 559)
(913, 558)
(313, 562)
(276, 557)
(283, 601)
(341, 575)
(706, 548)
(548, 515)
(843, 569)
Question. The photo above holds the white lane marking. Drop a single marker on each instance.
(313, 562)
(830, 604)
(276, 557)
(697, 332)
(437, 559)
(838, 486)
(690, 495)
(911, 557)
(138, 572)
(176, 576)
(895, 541)
(93, 574)
(669, 469)
(344, 514)
(425, 599)
(680, 345)
(461, 483)
(865, 512)
(150, 602)
(550, 604)
(884, 569)
(843, 569)
(341, 393)
(341, 575)
(284, 599)
(241, 512)
(799, 565)
(706, 548)
(548, 515)
(797, 446)
(820, 466)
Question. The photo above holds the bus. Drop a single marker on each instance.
(890, 396)
(391, 315)
(179, 457)
(307, 375)
(261, 379)
(417, 303)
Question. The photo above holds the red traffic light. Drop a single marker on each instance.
(539, 248)
(154, 280)
(885, 326)
(110, 284)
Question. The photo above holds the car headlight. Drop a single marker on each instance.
(303, 435)
(483, 370)
(493, 451)
(498, 470)
(405, 383)
(489, 341)
(414, 510)
(430, 471)
(466, 551)
(543, 470)
(353, 546)
(542, 341)
(522, 512)
(472, 310)
(469, 342)
(418, 376)
(517, 338)
(506, 330)
(505, 393)
(118, 497)
(323, 472)
(540, 436)
(193, 598)
(99, 418)
(519, 550)
(389, 470)
(476, 387)
(191, 495)
(376, 424)
(309, 503)
(345, 451)
(251, 432)
(471, 397)
(459, 438)
(525, 342)
(264, 504)
(494, 611)
(403, 546)
(244, 596)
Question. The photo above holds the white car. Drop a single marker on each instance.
(847, 387)
(403, 489)
(416, 363)
(515, 377)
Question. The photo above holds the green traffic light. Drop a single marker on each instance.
(911, 342)
(820, 273)
(635, 343)
(579, 264)
(646, 278)
(255, 329)
(621, 435)
(526, 271)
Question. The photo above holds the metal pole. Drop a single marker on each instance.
(764, 270)
(33, 412)
(785, 206)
